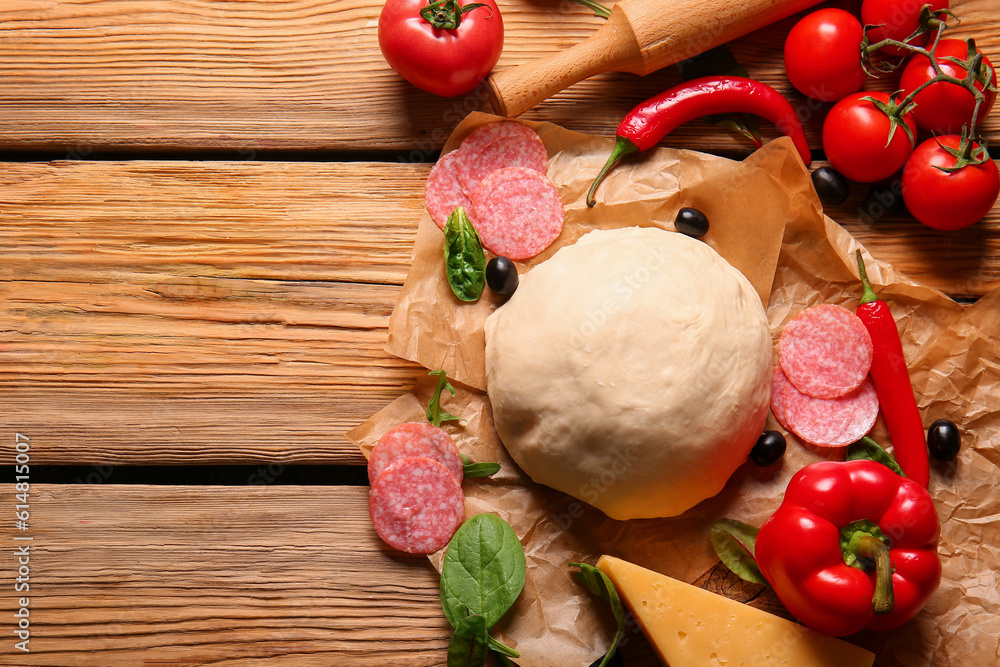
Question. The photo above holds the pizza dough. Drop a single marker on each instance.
(632, 370)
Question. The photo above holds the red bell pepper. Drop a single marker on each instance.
(853, 546)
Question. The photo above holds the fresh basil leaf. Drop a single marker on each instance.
(464, 259)
(867, 449)
(434, 413)
(468, 646)
(597, 583)
(734, 544)
(483, 570)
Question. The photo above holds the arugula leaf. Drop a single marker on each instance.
(868, 449)
(597, 583)
(483, 570)
(434, 413)
(734, 542)
(485, 469)
(468, 646)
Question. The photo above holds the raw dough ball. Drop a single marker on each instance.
(632, 371)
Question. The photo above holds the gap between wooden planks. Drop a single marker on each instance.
(81, 75)
(190, 312)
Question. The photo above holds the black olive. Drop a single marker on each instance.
(692, 222)
(943, 440)
(501, 276)
(769, 448)
(830, 185)
(883, 200)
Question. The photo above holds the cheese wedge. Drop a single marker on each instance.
(692, 627)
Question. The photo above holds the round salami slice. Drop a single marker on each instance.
(825, 351)
(415, 439)
(519, 213)
(831, 422)
(778, 382)
(442, 192)
(497, 146)
(416, 505)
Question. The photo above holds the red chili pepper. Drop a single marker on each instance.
(655, 118)
(892, 384)
(852, 546)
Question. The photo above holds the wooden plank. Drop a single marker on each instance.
(84, 75)
(220, 575)
(174, 312)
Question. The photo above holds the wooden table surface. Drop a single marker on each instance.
(207, 209)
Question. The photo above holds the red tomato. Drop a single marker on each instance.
(856, 139)
(445, 62)
(896, 19)
(823, 55)
(945, 200)
(944, 107)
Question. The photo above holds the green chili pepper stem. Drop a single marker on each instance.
(867, 294)
(872, 548)
(623, 147)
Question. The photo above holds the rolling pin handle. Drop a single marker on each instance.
(613, 47)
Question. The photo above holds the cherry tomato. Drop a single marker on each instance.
(856, 138)
(943, 200)
(944, 107)
(442, 61)
(823, 55)
(896, 19)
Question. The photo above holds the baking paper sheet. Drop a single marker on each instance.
(767, 221)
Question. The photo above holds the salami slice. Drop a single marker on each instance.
(830, 422)
(497, 146)
(825, 351)
(415, 439)
(416, 505)
(519, 212)
(442, 192)
(778, 382)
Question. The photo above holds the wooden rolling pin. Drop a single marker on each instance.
(640, 36)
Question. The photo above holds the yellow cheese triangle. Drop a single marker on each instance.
(692, 627)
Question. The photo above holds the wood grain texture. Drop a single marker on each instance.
(82, 75)
(154, 575)
(185, 312)
(198, 313)
(221, 576)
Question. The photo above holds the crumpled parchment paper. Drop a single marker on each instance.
(767, 221)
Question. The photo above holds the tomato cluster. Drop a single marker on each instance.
(948, 180)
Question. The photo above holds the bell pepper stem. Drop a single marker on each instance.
(867, 294)
(623, 147)
(872, 548)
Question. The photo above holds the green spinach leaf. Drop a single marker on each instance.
(464, 259)
(434, 413)
(483, 570)
(597, 583)
(734, 543)
(468, 646)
